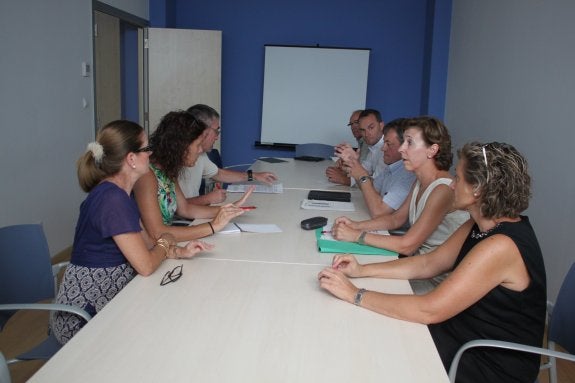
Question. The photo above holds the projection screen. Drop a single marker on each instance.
(310, 92)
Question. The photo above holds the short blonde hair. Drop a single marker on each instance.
(499, 173)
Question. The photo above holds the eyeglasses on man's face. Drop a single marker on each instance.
(144, 149)
(354, 122)
(172, 275)
(217, 131)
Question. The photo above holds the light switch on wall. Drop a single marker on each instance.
(85, 69)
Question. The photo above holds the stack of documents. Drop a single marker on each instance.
(314, 204)
(260, 188)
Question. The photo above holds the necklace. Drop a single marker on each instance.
(483, 234)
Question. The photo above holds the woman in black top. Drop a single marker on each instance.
(497, 287)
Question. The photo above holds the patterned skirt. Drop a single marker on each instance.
(89, 288)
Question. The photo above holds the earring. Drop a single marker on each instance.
(133, 166)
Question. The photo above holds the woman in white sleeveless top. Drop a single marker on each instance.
(426, 151)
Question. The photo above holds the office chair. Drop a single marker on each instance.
(214, 156)
(27, 277)
(4, 372)
(560, 330)
(314, 150)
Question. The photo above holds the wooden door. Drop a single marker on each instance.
(184, 68)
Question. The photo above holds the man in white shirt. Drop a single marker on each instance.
(371, 127)
(385, 193)
(191, 177)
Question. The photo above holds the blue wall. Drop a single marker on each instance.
(407, 72)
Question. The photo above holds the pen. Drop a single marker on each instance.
(248, 207)
(326, 232)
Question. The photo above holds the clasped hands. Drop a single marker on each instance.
(219, 195)
(347, 166)
(192, 249)
(335, 278)
(267, 178)
(344, 229)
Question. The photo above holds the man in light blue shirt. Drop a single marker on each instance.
(385, 192)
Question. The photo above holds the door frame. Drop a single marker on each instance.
(130, 41)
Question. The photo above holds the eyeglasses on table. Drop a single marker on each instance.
(172, 275)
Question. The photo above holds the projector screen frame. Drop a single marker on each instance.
(267, 143)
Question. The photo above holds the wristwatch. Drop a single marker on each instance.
(361, 239)
(359, 297)
(250, 175)
(363, 179)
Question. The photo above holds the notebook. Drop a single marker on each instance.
(260, 188)
(329, 195)
(271, 160)
(309, 158)
(309, 204)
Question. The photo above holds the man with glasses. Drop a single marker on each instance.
(191, 178)
(371, 128)
(362, 147)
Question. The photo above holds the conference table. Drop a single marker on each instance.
(251, 310)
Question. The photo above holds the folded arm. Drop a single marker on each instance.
(493, 262)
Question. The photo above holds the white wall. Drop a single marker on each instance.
(511, 78)
(44, 126)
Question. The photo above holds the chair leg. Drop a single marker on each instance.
(552, 370)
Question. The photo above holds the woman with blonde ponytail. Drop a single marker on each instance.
(110, 246)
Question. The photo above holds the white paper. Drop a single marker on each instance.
(314, 204)
(260, 188)
(259, 228)
(232, 227)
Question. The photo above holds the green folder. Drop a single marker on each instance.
(330, 246)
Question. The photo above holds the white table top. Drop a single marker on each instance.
(301, 174)
(244, 322)
(284, 211)
(250, 311)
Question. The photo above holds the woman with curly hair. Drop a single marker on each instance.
(110, 246)
(428, 209)
(176, 143)
(497, 285)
